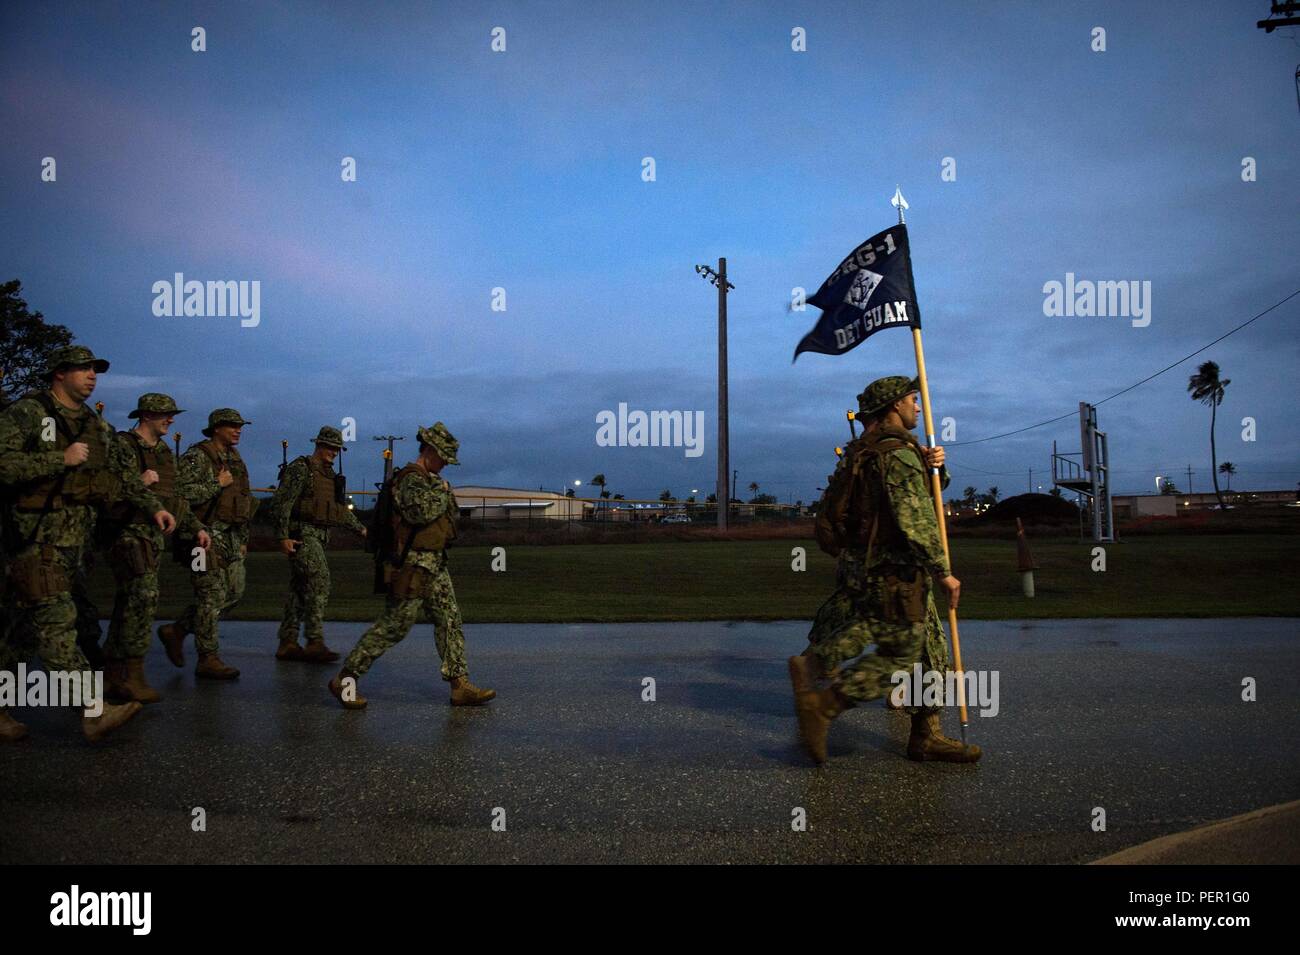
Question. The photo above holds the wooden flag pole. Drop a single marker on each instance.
(936, 487)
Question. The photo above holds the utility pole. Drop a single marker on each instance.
(1189, 479)
(388, 455)
(719, 280)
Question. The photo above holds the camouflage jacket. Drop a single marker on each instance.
(295, 481)
(196, 480)
(420, 499)
(911, 505)
(25, 456)
(124, 458)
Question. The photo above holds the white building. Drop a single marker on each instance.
(509, 504)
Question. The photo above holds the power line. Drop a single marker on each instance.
(1072, 414)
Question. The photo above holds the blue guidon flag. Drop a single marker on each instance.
(870, 290)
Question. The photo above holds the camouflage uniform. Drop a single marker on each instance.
(426, 508)
(884, 595)
(138, 544)
(304, 513)
(47, 546)
(421, 499)
(220, 586)
(871, 603)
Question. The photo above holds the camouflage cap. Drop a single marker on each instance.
(155, 403)
(883, 392)
(71, 357)
(441, 440)
(330, 437)
(223, 416)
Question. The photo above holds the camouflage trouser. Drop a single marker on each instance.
(400, 615)
(49, 625)
(309, 590)
(868, 610)
(216, 591)
(134, 601)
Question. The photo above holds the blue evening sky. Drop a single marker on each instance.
(522, 170)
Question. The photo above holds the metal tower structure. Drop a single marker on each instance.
(1087, 473)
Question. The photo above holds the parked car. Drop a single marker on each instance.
(676, 519)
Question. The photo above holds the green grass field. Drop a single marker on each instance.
(1175, 576)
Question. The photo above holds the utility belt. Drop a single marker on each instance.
(132, 557)
(904, 590)
(182, 551)
(37, 575)
(410, 582)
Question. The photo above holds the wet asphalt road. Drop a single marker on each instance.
(1142, 718)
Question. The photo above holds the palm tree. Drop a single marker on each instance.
(1228, 468)
(993, 494)
(1207, 387)
(753, 487)
(968, 496)
(599, 481)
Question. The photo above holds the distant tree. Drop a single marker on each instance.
(1207, 387)
(619, 497)
(969, 496)
(599, 481)
(1169, 487)
(753, 487)
(992, 494)
(569, 492)
(711, 499)
(763, 499)
(665, 495)
(26, 339)
(1228, 468)
(1056, 492)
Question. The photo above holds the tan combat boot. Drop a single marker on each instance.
(354, 700)
(115, 687)
(173, 640)
(806, 672)
(928, 742)
(814, 707)
(97, 727)
(211, 668)
(317, 652)
(465, 693)
(289, 651)
(134, 682)
(11, 731)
